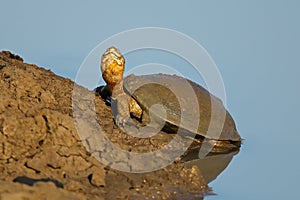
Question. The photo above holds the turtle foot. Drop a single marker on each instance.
(121, 120)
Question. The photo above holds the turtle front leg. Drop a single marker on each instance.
(120, 107)
(124, 106)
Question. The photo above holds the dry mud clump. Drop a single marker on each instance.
(42, 156)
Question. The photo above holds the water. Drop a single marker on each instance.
(211, 166)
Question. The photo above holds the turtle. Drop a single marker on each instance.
(134, 96)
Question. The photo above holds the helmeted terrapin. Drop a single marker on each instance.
(135, 95)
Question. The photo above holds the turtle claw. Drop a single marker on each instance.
(124, 123)
(121, 121)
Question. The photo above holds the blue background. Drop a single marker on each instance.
(255, 45)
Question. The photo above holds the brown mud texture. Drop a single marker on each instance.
(42, 155)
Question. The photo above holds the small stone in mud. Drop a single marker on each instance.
(97, 178)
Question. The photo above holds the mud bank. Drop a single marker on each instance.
(42, 155)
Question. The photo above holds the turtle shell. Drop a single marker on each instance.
(183, 104)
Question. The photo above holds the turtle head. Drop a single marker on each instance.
(112, 67)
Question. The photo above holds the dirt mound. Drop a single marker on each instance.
(42, 155)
